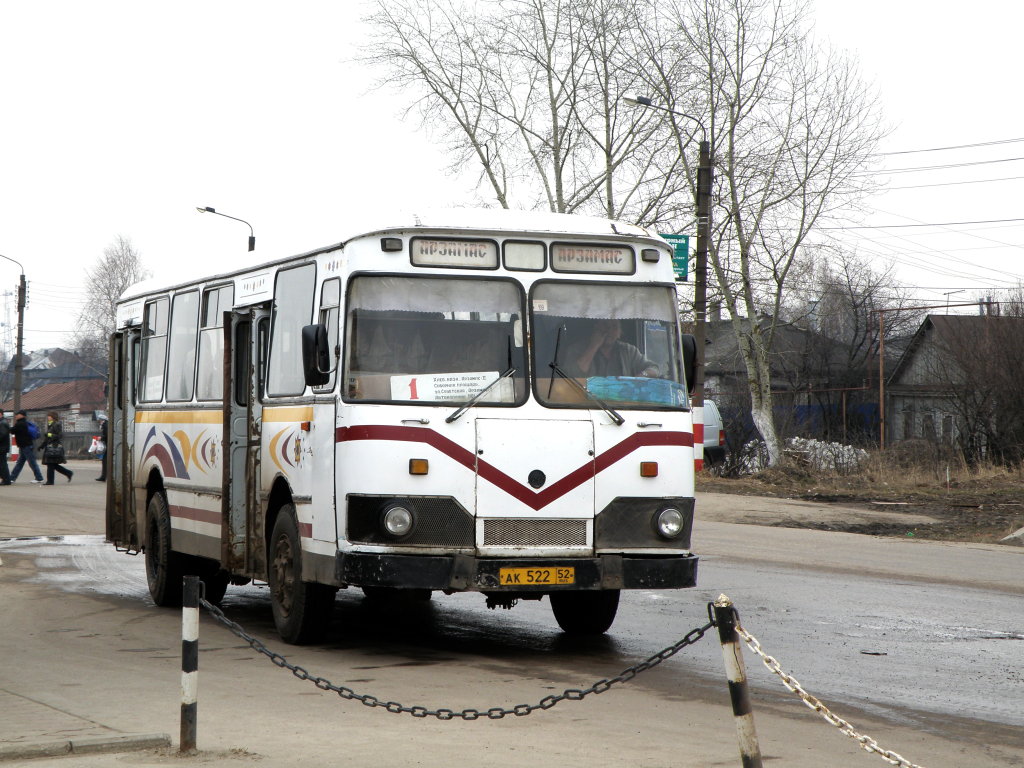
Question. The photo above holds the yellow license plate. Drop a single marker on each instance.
(536, 577)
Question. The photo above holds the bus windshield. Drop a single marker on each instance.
(618, 342)
(434, 340)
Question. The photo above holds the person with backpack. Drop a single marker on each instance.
(5, 448)
(53, 449)
(25, 434)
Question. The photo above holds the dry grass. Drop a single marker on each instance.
(977, 503)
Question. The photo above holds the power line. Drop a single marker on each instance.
(954, 183)
(955, 146)
(937, 224)
(886, 172)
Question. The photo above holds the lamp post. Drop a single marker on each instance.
(702, 195)
(18, 362)
(252, 237)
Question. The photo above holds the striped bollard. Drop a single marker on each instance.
(189, 663)
(725, 620)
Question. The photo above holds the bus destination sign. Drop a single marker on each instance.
(602, 259)
(474, 254)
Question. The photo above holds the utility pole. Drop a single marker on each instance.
(705, 183)
(705, 174)
(18, 362)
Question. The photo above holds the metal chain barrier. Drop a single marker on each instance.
(495, 713)
(866, 742)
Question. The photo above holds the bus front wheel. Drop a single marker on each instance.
(585, 613)
(164, 567)
(302, 610)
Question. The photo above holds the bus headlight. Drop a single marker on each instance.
(669, 522)
(398, 521)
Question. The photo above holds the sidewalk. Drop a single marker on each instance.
(31, 729)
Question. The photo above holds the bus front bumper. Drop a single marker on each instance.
(465, 573)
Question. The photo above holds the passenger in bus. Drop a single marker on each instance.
(605, 354)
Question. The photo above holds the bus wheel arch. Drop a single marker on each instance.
(164, 567)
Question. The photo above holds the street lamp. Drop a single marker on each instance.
(947, 294)
(702, 195)
(18, 362)
(252, 237)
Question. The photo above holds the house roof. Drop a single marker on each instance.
(790, 344)
(88, 393)
(948, 328)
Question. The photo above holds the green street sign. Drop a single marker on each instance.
(681, 254)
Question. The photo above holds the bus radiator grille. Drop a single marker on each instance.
(535, 533)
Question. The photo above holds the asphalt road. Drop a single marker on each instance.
(919, 644)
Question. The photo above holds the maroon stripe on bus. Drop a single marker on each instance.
(492, 474)
(193, 513)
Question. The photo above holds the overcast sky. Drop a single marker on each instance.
(121, 118)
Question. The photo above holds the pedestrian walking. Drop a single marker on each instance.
(22, 431)
(53, 449)
(5, 448)
(103, 451)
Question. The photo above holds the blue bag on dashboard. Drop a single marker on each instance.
(637, 389)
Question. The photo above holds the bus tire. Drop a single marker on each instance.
(585, 613)
(164, 567)
(302, 610)
(215, 583)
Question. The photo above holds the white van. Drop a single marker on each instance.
(714, 435)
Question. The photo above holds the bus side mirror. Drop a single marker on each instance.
(690, 361)
(316, 355)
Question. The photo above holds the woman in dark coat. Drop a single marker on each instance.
(52, 438)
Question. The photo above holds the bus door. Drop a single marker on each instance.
(121, 526)
(242, 548)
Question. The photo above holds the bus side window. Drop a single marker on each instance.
(263, 351)
(241, 373)
(181, 353)
(210, 379)
(293, 303)
(154, 350)
(330, 303)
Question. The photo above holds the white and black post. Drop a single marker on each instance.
(725, 620)
(189, 663)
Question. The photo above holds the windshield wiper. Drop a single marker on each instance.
(471, 402)
(612, 413)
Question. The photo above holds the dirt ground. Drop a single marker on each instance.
(985, 511)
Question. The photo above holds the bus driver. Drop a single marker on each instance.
(605, 354)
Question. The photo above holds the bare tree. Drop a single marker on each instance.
(530, 90)
(119, 267)
(792, 129)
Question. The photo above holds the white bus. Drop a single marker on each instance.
(469, 400)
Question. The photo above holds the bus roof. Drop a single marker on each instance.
(481, 220)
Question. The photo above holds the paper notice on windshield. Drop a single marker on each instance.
(451, 387)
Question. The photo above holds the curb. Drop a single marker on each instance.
(1016, 538)
(85, 745)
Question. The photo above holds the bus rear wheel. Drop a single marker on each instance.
(164, 567)
(302, 610)
(585, 613)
